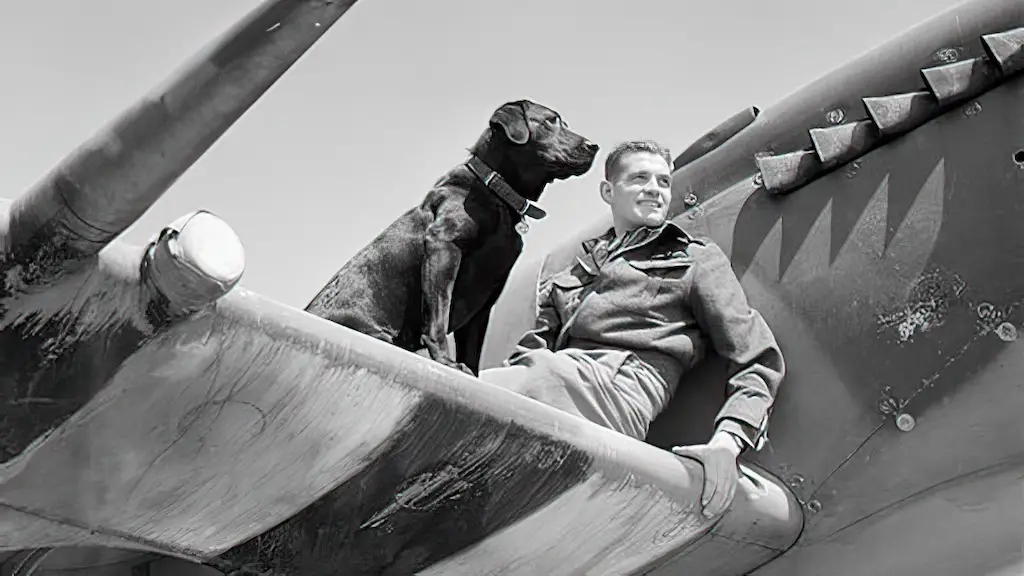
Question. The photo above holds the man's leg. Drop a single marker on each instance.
(541, 375)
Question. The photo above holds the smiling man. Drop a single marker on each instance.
(617, 330)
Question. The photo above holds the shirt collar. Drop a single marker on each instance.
(669, 227)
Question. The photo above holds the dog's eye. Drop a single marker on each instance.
(557, 122)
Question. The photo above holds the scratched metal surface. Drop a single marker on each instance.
(894, 278)
(276, 439)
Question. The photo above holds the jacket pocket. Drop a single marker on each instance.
(568, 289)
(664, 268)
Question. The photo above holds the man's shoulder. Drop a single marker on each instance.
(702, 242)
(706, 251)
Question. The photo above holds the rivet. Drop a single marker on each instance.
(758, 179)
(691, 200)
(814, 506)
(947, 55)
(905, 422)
(1007, 332)
(835, 116)
(796, 481)
(972, 109)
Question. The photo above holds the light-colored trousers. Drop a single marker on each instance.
(613, 388)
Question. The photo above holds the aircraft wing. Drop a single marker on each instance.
(261, 434)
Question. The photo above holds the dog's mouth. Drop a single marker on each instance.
(570, 161)
(580, 162)
(571, 171)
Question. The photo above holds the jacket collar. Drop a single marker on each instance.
(669, 227)
(595, 253)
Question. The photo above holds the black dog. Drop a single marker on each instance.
(441, 266)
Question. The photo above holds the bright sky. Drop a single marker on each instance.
(355, 133)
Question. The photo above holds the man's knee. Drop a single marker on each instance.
(508, 377)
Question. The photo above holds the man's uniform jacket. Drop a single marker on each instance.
(666, 296)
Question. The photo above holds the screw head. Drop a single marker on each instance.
(835, 116)
(1007, 332)
(948, 55)
(905, 422)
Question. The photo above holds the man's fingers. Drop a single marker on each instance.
(688, 451)
(718, 489)
(734, 481)
(718, 503)
(710, 490)
(725, 490)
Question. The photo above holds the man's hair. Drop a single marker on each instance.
(613, 164)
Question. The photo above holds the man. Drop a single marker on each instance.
(617, 330)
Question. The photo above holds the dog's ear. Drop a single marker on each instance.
(512, 119)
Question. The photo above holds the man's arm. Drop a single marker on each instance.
(740, 334)
(546, 326)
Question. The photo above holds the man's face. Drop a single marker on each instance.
(640, 193)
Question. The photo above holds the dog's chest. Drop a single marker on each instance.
(482, 272)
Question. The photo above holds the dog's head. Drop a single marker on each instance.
(539, 137)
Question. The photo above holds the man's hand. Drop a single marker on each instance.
(721, 472)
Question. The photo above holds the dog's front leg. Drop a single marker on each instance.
(469, 340)
(440, 268)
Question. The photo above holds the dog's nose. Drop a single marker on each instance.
(591, 147)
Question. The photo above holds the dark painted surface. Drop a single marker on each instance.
(897, 277)
(43, 382)
(61, 345)
(448, 479)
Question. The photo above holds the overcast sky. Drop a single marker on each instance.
(355, 133)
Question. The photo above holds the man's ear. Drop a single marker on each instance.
(606, 191)
(512, 119)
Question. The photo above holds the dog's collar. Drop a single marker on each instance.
(497, 184)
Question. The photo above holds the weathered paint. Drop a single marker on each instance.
(223, 425)
(62, 343)
(61, 316)
(19, 530)
(206, 393)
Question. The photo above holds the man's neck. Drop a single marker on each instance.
(623, 229)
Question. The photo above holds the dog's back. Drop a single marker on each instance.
(377, 292)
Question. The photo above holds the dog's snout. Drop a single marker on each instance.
(590, 146)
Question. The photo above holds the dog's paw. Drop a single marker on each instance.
(464, 368)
